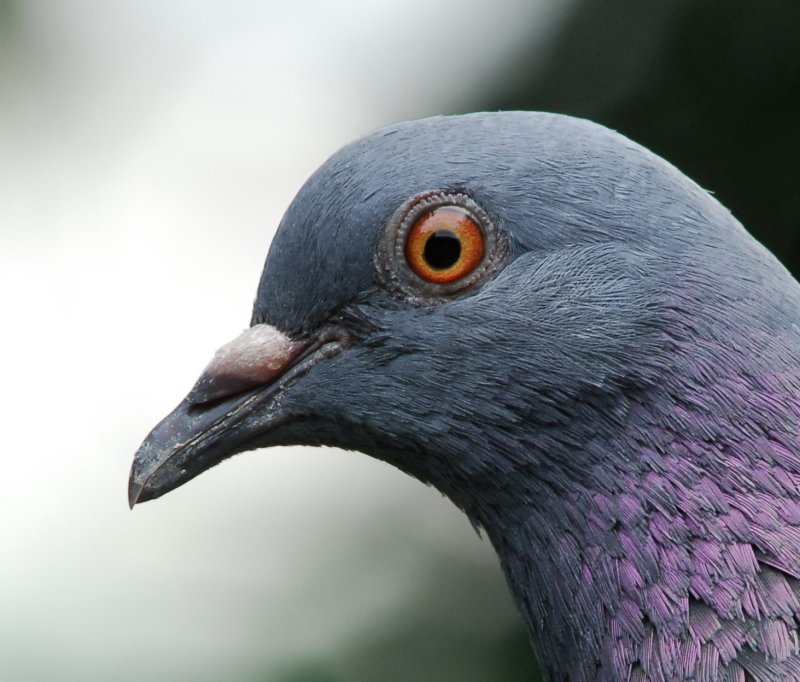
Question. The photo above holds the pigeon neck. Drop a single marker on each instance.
(567, 580)
(683, 563)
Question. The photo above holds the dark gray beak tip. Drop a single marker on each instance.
(179, 448)
(134, 492)
(138, 490)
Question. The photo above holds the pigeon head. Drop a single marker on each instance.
(577, 345)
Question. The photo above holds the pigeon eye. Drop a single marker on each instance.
(437, 244)
(444, 245)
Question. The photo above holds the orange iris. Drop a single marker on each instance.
(444, 245)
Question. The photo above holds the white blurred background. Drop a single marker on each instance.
(147, 152)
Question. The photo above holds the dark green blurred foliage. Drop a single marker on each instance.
(7, 14)
(419, 654)
(455, 628)
(712, 85)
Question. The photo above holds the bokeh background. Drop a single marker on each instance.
(147, 152)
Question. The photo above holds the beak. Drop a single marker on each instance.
(232, 403)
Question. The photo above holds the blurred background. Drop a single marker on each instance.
(147, 152)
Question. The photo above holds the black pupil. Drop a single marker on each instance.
(442, 250)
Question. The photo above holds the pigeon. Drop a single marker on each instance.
(573, 342)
